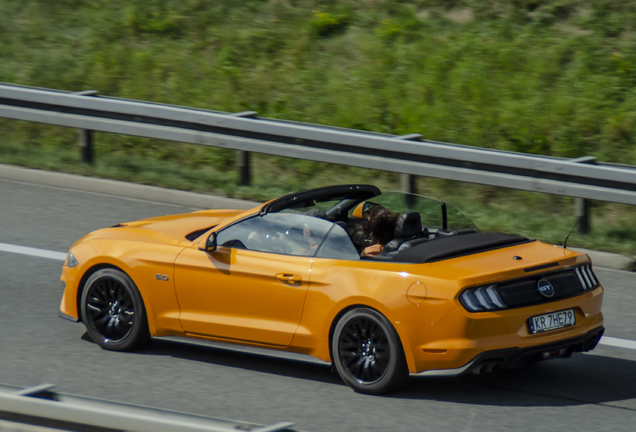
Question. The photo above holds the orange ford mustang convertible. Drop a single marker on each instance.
(442, 298)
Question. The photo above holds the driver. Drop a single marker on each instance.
(380, 226)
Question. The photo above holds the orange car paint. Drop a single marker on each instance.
(235, 295)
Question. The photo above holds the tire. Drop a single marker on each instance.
(367, 352)
(113, 311)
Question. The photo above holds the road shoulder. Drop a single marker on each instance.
(205, 201)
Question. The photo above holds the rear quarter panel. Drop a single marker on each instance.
(338, 285)
(424, 318)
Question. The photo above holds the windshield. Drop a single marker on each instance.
(434, 213)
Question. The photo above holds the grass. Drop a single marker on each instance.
(553, 77)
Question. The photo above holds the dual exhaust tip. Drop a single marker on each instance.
(494, 365)
(487, 367)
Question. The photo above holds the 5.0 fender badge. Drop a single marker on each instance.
(545, 288)
(161, 277)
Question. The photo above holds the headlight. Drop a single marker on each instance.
(481, 298)
(71, 261)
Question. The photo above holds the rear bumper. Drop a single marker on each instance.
(460, 336)
(507, 358)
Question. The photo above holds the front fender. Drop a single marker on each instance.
(139, 260)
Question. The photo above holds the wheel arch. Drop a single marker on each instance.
(343, 311)
(81, 285)
(406, 348)
(132, 337)
(335, 320)
(384, 376)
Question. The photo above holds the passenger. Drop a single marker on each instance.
(312, 239)
(380, 226)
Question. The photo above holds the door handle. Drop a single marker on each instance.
(289, 278)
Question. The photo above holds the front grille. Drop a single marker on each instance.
(525, 292)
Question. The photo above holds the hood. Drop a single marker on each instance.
(167, 229)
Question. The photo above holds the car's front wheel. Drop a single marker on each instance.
(367, 352)
(113, 311)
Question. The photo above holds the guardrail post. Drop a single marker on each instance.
(408, 183)
(86, 136)
(408, 180)
(243, 157)
(582, 206)
(243, 163)
(86, 145)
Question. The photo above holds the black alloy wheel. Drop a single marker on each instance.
(367, 352)
(113, 311)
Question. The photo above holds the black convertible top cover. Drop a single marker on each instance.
(457, 245)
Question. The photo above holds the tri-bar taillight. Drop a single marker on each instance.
(482, 299)
(586, 277)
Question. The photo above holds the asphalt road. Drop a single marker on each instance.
(595, 391)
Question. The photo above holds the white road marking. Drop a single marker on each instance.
(618, 342)
(40, 253)
(61, 256)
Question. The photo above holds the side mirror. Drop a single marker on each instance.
(210, 243)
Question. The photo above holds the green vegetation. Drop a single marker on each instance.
(554, 77)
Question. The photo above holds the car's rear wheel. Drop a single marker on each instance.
(113, 311)
(367, 352)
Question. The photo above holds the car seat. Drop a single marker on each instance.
(407, 227)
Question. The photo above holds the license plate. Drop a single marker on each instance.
(552, 321)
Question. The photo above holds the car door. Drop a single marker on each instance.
(253, 286)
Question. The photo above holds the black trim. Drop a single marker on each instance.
(543, 301)
(541, 267)
(504, 286)
(66, 317)
(517, 357)
(198, 233)
(327, 193)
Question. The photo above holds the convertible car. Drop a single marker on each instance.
(442, 298)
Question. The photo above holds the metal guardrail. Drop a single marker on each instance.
(41, 406)
(410, 155)
(245, 132)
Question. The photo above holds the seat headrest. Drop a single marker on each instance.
(317, 213)
(408, 224)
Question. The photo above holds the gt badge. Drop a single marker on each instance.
(545, 288)
(162, 277)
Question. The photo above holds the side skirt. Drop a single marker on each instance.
(306, 358)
